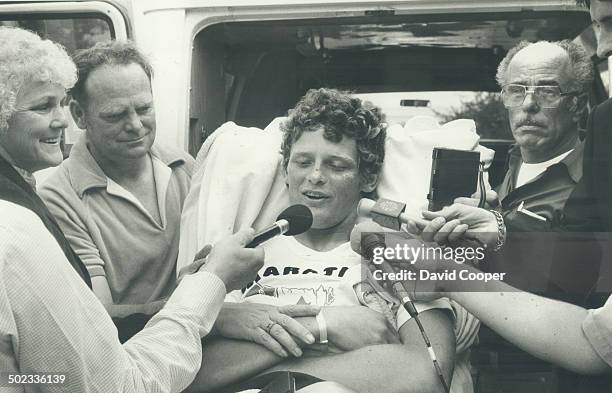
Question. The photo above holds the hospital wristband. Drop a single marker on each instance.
(322, 328)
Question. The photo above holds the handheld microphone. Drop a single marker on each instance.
(388, 213)
(292, 221)
(365, 245)
(365, 238)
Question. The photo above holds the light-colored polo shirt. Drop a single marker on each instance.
(111, 231)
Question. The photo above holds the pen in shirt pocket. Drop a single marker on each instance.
(520, 209)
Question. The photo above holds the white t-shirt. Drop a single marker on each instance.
(293, 274)
(528, 172)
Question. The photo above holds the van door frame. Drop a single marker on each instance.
(120, 28)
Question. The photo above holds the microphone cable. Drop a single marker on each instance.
(411, 309)
(481, 184)
(409, 306)
(365, 247)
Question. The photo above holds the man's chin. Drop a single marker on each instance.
(135, 152)
(321, 224)
(531, 142)
(330, 224)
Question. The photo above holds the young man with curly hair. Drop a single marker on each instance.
(333, 149)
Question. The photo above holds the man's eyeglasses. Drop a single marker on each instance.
(545, 96)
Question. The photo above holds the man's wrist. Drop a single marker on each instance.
(325, 312)
(322, 325)
(500, 230)
(154, 307)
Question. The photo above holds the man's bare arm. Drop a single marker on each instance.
(396, 367)
(227, 361)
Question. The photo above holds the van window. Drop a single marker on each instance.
(485, 108)
(440, 64)
(73, 33)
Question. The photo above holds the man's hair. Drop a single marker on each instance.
(106, 53)
(339, 115)
(582, 68)
(25, 57)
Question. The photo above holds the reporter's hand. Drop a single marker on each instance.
(491, 199)
(461, 221)
(354, 327)
(272, 327)
(443, 232)
(235, 265)
(198, 261)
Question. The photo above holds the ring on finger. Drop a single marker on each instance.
(269, 326)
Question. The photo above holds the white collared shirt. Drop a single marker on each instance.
(51, 322)
(528, 172)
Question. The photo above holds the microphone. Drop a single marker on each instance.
(389, 213)
(365, 238)
(365, 245)
(292, 221)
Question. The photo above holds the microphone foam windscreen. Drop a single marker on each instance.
(299, 218)
(359, 230)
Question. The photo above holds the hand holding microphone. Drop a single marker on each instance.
(232, 262)
(236, 260)
(391, 214)
(368, 236)
(433, 227)
(452, 225)
(292, 221)
(462, 221)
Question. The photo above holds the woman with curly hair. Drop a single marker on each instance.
(34, 77)
(55, 334)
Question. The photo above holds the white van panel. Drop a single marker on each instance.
(166, 30)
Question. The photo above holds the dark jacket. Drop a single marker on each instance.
(566, 262)
(598, 161)
(13, 188)
(545, 196)
(547, 251)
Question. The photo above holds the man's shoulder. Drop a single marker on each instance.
(75, 175)
(605, 106)
(58, 181)
(602, 115)
(174, 157)
(63, 190)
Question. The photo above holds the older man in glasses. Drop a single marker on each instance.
(544, 203)
(543, 199)
(545, 88)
